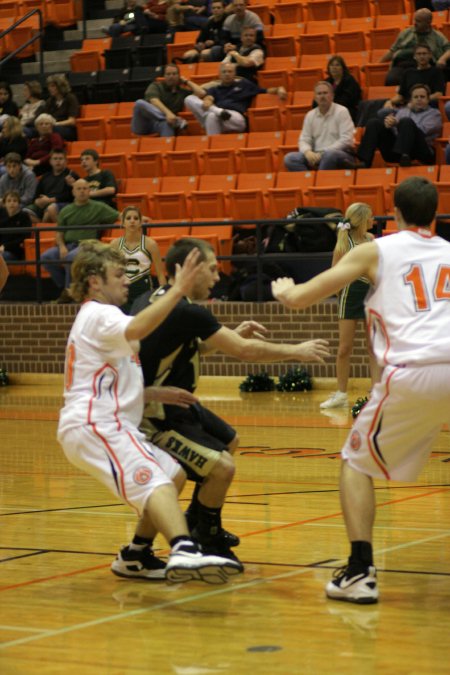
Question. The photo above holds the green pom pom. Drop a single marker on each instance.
(259, 382)
(4, 379)
(295, 380)
(359, 405)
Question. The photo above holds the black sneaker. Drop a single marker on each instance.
(216, 546)
(224, 115)
(138, 564)
(229, 539)
(355, 586)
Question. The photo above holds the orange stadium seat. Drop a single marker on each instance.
(386, 7)
(304, 79)
(264, 119)
(220, 161)
(86, 61)
(281, 45)
(314, 27)
(249, 199)
(321, 10)
(355, 8)
(319, 43)
(350, 41)
(288, 12)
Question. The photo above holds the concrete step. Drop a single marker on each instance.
(90, 33)
(114, 4)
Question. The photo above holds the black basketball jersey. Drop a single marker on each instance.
(169, 355)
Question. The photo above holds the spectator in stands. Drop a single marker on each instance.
(239, 19)
(158, 113)
(130, 19)
(12, 139)
(63, 106)
(155, 16)
(18, 178)
(347, 91)
(54, 190)
(187, 14)
(7, 104)
(401, 54)
(209, 45)
(83, 211)
(327, 138)
(33, 106)
(102, 182)
(222, 108)
(423, 73)
(11, 215)
(249, 57)
(405, 134)
(40, 147)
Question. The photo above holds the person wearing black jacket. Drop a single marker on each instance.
(131, 19)
(209, 45)
(54, 190)
(11, 215)
(249, 57)
(347, 91)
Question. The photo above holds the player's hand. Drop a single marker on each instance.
(313, 350)
(185, 276)
(170, 396)
(252, 329)
(280, 287)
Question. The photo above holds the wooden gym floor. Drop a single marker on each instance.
(62, 611)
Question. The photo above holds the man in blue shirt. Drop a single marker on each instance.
(222, 108)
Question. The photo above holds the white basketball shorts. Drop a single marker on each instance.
(393, 435)
(123, 460)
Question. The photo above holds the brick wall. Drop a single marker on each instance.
(33, 337)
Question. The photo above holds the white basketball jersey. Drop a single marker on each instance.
(103, 377)
(408, 309)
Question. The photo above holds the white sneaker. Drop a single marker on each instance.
(360, 588)
(184, 565)
(337, 400)
(181, 124)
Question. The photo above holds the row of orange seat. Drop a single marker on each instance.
(220, 237)
(271, 195)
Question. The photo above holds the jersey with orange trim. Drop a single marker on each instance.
(103, 376)
(408, 309)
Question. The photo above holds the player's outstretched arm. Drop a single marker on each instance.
(152, 316)
(262, 351)
(360, 261)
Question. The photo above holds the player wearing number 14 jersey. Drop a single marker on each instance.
(408, 313)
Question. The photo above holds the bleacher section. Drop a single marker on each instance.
(194, 178)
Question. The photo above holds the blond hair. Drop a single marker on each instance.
(92, 258)
(357, 220)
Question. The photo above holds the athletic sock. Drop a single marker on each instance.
(191, 513)
(361, 556)
(209, 521)
(139, 543)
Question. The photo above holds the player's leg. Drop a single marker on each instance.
(140, 550)
(339, 399)
(356, 582)
(142, 476)
(199, 440)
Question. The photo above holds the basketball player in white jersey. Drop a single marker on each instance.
(408, 314)
(103, 406)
